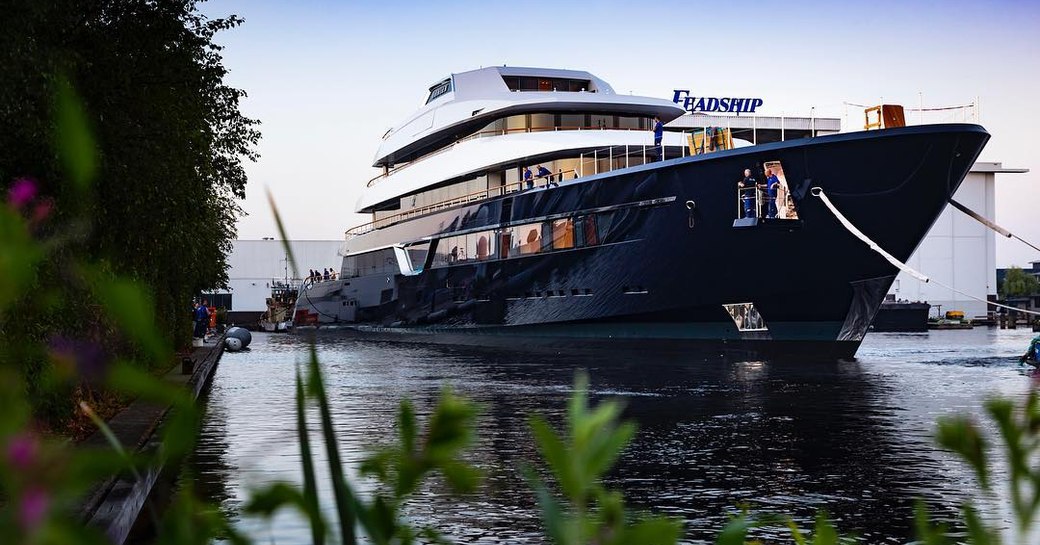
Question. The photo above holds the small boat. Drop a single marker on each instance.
(953, 319)
(278, 317)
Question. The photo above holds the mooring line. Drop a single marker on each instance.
(979, 218)
(818, 192)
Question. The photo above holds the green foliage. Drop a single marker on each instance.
(1019, 432)
(578, 458)
(117, 112)
(1018, 283)
(401, 467)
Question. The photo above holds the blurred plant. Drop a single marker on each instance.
(578, 458)
(1019, 431)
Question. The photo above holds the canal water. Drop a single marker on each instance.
(854, 439)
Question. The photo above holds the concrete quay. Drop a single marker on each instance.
(115, 505)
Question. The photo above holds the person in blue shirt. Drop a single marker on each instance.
(529, 183)
(772, 184)
(544, 173)
(658, 135)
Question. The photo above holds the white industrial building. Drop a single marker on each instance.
(959, 251)
(257, 264)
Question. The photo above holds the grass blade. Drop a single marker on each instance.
(346, 503)
(310, 490)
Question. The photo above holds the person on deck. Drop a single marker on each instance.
(658, 136)
(528, 182)
(545, 174)
(772, 184)
(747, 195)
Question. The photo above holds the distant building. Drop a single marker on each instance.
(959, 251)
(256, 264)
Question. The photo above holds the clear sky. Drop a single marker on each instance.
(327, 79)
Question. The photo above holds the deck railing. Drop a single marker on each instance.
(589, 163)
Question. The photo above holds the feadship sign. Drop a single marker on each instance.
(712, 104)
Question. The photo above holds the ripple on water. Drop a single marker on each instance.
(851, 438)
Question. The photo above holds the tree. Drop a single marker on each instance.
(1018, 283)
(168, 139)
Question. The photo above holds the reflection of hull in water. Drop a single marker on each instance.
(659, 270)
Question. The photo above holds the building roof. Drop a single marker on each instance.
(983, 166)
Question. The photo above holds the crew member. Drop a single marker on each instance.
(527, 178)
(747, 195)
(545, 173)
(772, 184)
(658, 135)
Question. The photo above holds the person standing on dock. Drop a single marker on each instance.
(201, 317)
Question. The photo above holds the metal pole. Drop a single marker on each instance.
(610, 158)
(626, 155)
(595, 162)
(754, 129)
(782, 138)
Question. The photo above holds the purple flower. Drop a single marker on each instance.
(22, 191)
(22, 450)
(33, 507)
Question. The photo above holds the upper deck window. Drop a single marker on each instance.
(439, 89)
(534, 83)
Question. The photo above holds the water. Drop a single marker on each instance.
(851, 438)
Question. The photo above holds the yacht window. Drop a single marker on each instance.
(439, 89)
(534, 83)
(572, 121)
(417, 255)
(602, 121)
(526, 239)
(563, 234)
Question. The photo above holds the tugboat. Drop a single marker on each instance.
(278, 317)
(953, 319)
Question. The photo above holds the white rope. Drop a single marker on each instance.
(818, 192)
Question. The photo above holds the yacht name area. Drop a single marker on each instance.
(712, 104)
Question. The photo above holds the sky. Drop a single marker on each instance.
(327, 79)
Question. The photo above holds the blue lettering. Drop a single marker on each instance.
(679, 93)
(755, 103)
(700, 104)
(736, 104)
(723, 104)
(712, 105)
(688, 103)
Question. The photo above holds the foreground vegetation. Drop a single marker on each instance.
(122, 150)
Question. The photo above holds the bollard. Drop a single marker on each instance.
(187, 366)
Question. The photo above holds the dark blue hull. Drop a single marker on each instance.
(659, 270)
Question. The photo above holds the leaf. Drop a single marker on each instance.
(132, 309)
(734, 532)
(72, 137)
(824, 533)
(346, 501)
(18, 257)
(270, 499)
(654, 531)
(962, 436)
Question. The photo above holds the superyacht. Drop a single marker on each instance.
(539, 203)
